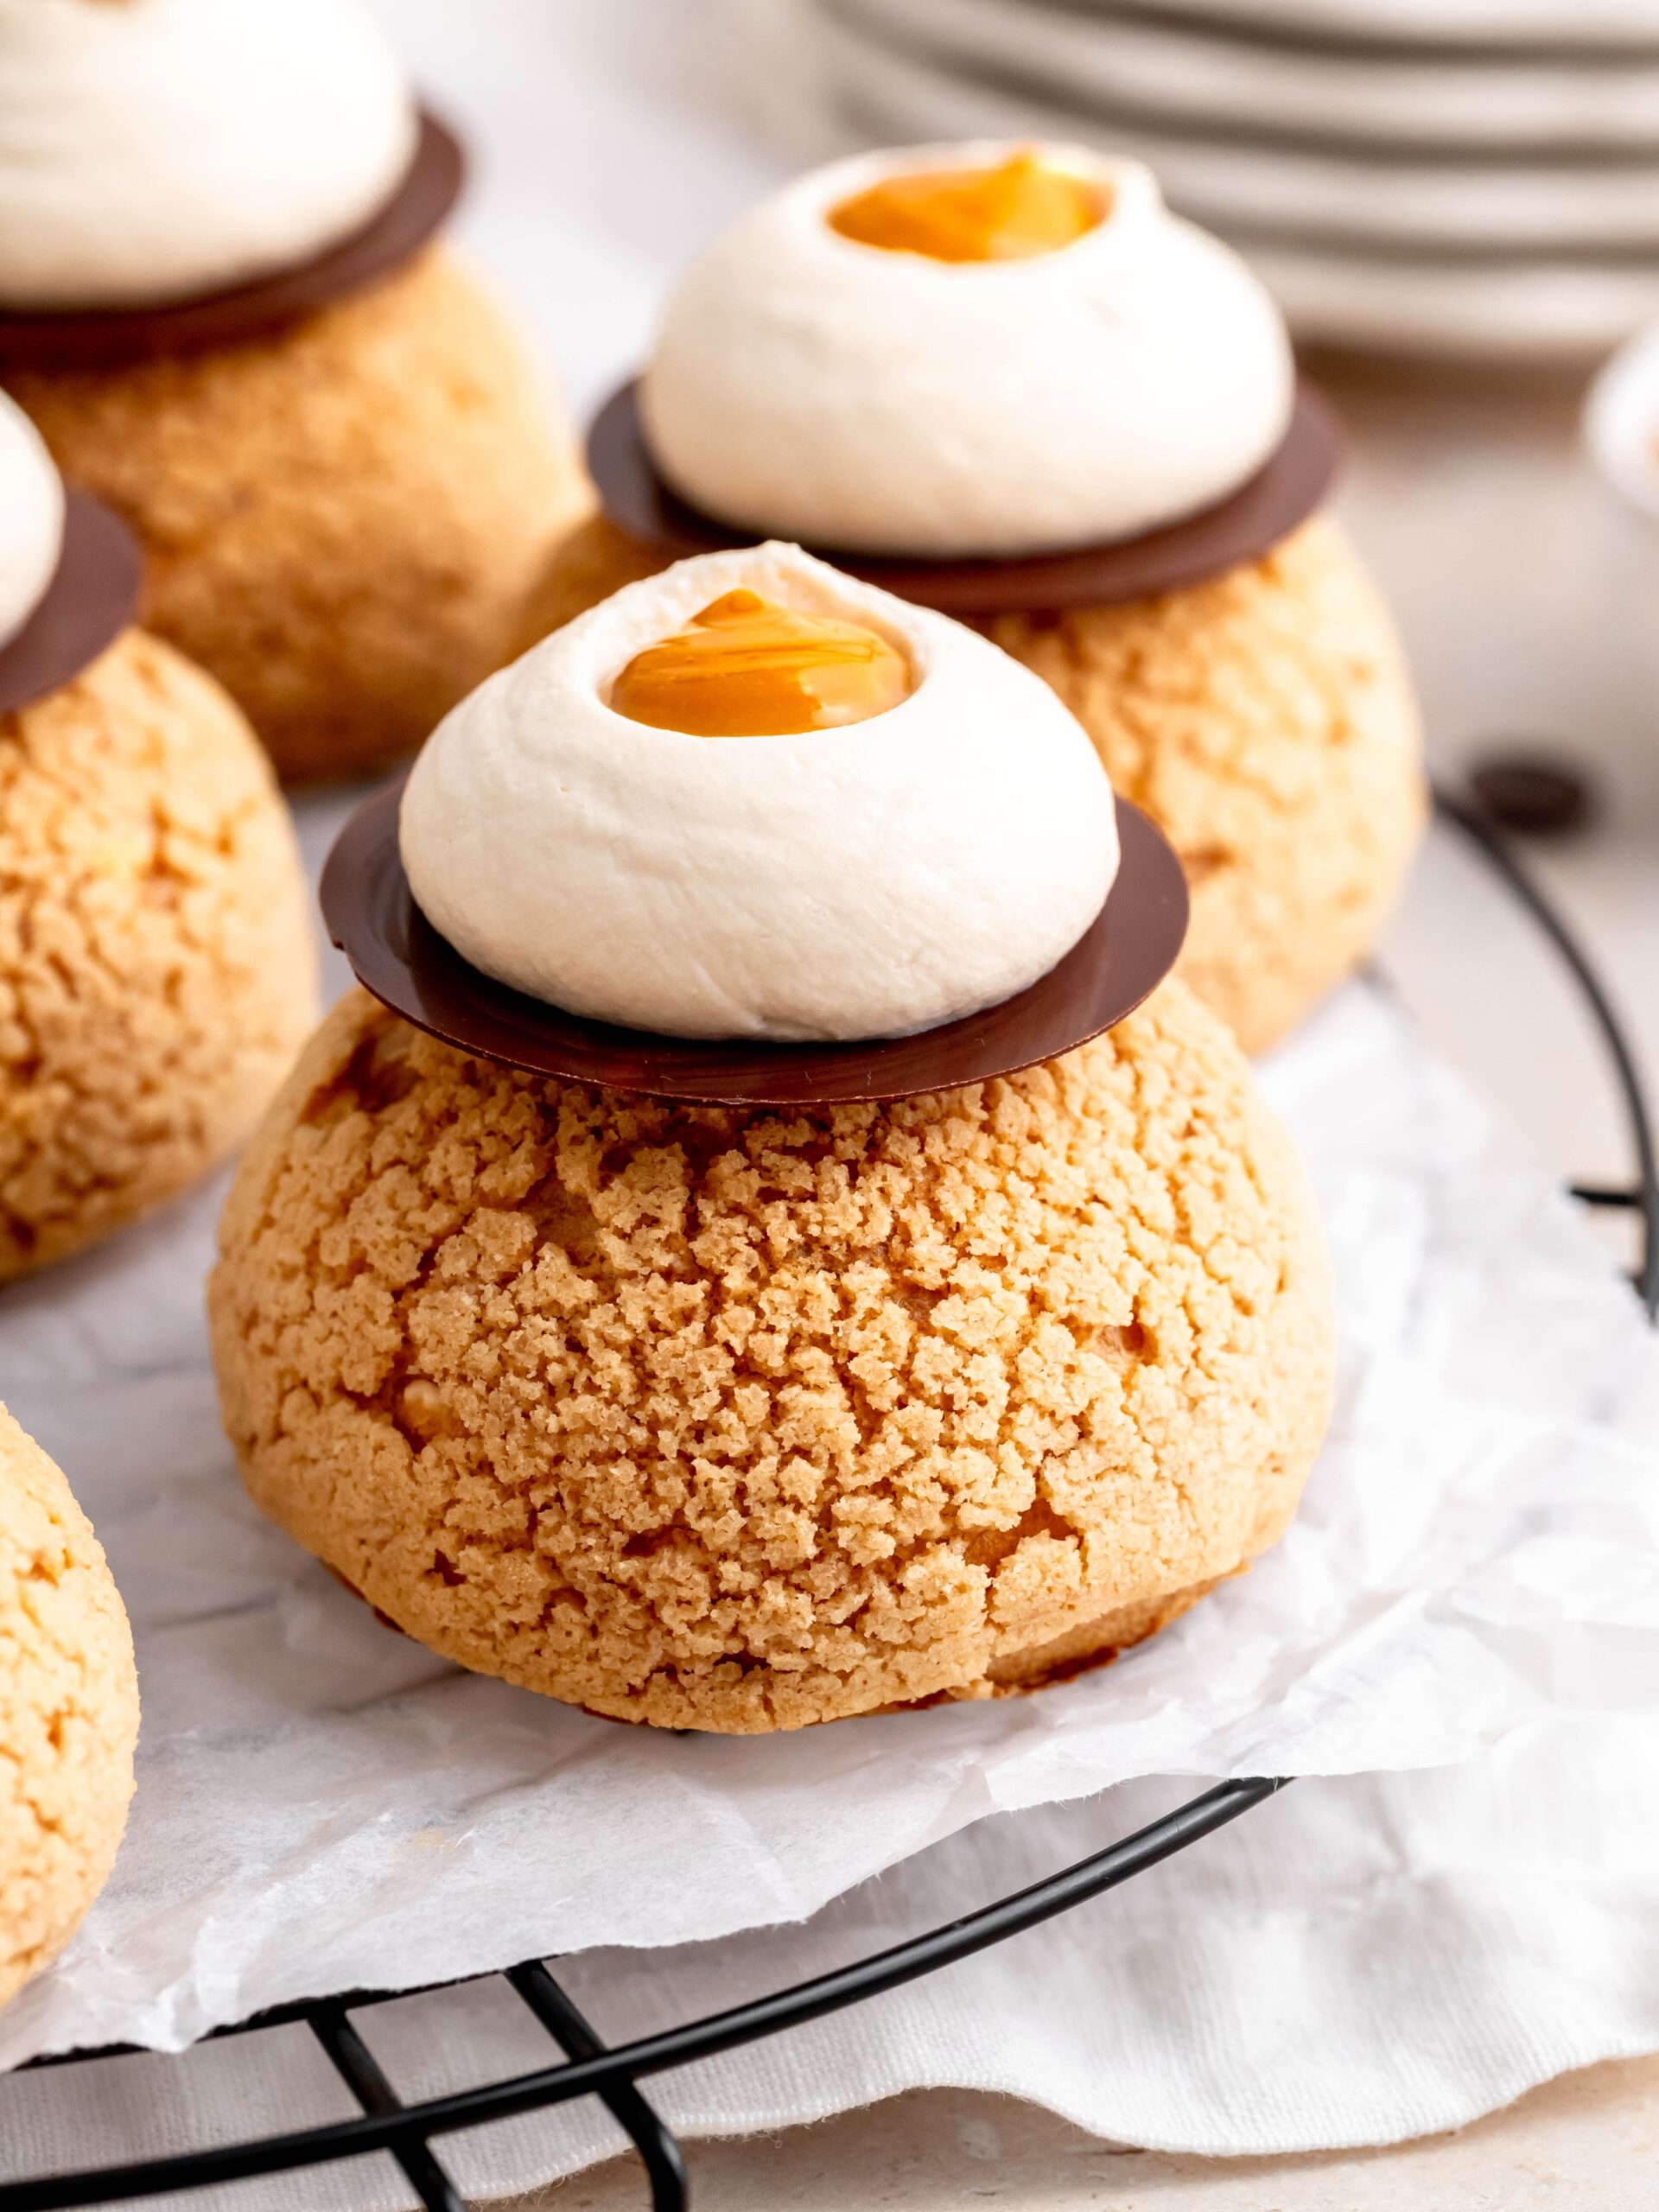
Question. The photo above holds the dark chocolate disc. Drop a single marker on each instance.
(92, 596)
(372, 916)
(99, 338)
(1288, 487)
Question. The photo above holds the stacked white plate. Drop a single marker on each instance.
(1476, 176)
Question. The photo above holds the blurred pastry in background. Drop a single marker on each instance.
(156, 964)
(221, 301)
(711, 1411)
(68, 1712)
(1621, 422)
(1005, 380)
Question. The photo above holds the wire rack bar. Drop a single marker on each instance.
(791, 2007)
(1643, 1199)
(357, 2067)
(659, 2153)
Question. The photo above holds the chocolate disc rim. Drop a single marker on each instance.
(397, 955)
(1290, 486)
(91, 598)
(93, 337)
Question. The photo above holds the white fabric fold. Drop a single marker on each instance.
(1358, 1960)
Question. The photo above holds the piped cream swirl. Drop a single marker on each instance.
(154, 149)
(806, 384)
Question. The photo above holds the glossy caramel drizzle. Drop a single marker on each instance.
(745, 667)
(1022, 208)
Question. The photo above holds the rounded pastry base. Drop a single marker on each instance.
(724, 1418)
(1079, 1650)
(1265, 721)
(341, 520)
(1092, 1643)
(157, 970)
(68, 1712)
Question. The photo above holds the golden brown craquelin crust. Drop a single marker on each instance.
(342, 522)
(158, 973)
(723, 1419)
(593, 559)
(1265, 721)
(68, 1711)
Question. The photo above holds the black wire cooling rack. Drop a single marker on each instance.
(589, 2069)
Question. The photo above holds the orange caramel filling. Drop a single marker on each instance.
(1011, 213)
(747, 668)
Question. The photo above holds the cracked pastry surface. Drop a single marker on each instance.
(68, 1711)
(156, 966)
(1265, 721)
(732, 1419)
(341, 521)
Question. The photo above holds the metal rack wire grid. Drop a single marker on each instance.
(589, 2068)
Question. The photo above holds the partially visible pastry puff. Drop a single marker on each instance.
(68, 1712)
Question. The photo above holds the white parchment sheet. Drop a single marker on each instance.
(322, 1804)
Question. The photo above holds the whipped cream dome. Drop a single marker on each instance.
(863, 881)
(153, 149)
(31, 518)
(809, 386)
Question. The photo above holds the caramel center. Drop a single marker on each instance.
(747, 668)
(1011, 213)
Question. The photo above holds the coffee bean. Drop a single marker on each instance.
(1533, 794)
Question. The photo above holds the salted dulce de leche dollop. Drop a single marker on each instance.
(746, 667)
(1007, 211)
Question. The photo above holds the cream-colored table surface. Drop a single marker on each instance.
(1589, 2143)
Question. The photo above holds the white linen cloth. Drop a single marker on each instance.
(1358, 1961)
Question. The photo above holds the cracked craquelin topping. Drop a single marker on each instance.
(725, 1420)
(156, 967)
(68, 1711)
